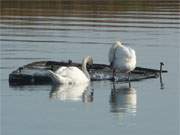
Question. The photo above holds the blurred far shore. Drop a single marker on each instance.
(65, 7)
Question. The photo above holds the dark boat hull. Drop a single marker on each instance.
(32, 74)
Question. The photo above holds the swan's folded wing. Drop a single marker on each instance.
(76, 75)
(57, 79)
(60, 70)
(122, 52)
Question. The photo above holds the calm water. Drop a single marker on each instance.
(72, 32)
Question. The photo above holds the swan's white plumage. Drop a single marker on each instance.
(71, 74)
(122, 58)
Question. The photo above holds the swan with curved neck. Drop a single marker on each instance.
(72, 74)
(122, 58)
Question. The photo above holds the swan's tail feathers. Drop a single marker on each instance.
(55, 78)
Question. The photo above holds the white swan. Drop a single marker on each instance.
(122, 58)
(71, 74)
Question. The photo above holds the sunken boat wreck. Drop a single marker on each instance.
(35, 73)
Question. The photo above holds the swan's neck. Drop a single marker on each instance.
(84, 68)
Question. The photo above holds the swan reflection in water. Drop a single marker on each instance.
(123, 101)
(72, 92)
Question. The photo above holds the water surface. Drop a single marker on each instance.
(72, 30)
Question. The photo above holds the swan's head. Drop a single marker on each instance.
(88, 60)
(85, 65)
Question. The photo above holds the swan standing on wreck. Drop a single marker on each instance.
(122, 58)
(72, 74)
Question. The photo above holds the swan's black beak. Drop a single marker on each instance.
(89, 66)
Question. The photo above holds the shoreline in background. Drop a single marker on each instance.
(65, 7)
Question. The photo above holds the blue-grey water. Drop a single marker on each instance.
(34, 35)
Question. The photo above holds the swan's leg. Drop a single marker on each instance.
(114, 74)
(113, 90)
(129, 80)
